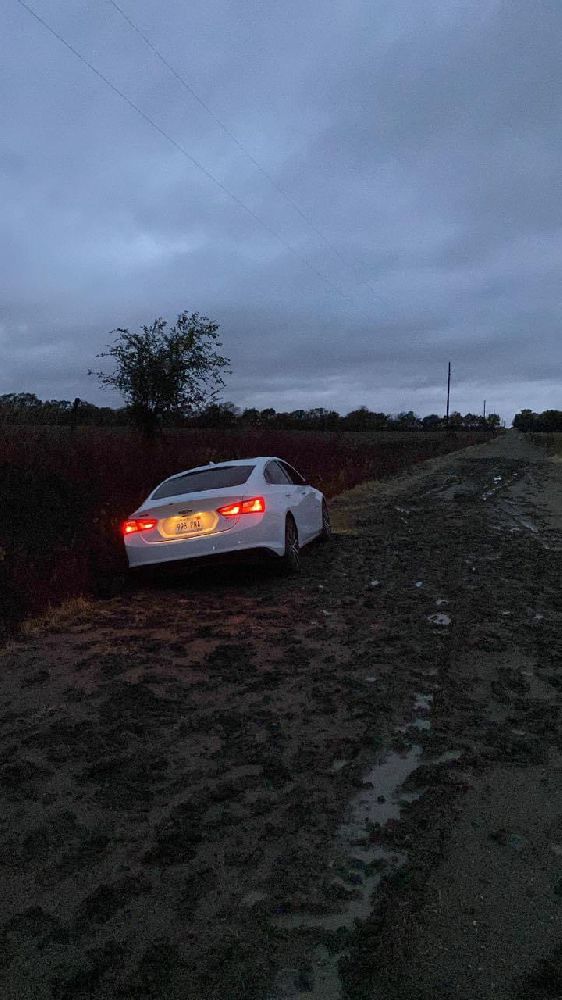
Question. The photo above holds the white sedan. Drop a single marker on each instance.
(254, 503)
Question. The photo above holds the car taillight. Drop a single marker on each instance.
(139, 524)
(254, 506)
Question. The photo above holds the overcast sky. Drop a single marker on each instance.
(408, 209)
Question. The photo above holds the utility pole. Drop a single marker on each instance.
(448, 391)
(484, 409)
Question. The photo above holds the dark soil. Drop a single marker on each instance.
(175, 763)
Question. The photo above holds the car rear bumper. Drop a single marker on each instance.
(141, 553)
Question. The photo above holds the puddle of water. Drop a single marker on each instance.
(448, 757)
(498, 482)
(379, 803)
(439, 619)
(422, 703)
(527, 523)
(406, 798)
(338, 765)
(372, 807)
(380, 800)
(358, 905)
(327, 986)
(517, 515)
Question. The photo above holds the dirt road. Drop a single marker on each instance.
(343, 786)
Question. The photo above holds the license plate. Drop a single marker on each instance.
(201, 522)
(188, 526)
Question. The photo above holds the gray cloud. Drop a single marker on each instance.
(422, 140)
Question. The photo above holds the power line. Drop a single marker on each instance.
(181, 149)
(187, 86)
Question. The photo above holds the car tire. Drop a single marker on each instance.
(290, 562)
(326, 533)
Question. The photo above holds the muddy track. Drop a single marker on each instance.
(343, 785)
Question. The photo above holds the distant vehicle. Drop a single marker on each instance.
(250, 504)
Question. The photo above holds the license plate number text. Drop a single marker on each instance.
(188, 525)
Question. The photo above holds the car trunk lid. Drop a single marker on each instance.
(191, 514)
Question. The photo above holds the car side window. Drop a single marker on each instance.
(274, 474)
(294, 476)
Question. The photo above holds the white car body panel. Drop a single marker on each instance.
(232, 534)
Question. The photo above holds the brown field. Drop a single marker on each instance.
(64, 494)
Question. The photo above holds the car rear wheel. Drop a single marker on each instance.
(326, 532)
(290, 560)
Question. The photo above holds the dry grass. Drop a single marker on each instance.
(552, 442)
(58, 617)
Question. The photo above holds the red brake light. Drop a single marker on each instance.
(139, 524)
(254, 506)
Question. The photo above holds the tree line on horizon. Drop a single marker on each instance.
(172, 376)
(27, 408)
(548, 421)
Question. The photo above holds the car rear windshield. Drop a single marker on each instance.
(207, 479)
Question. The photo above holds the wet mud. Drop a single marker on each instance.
(234, 785)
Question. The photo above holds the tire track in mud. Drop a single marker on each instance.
(381, 848)
(500, 704)
(183, 771)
